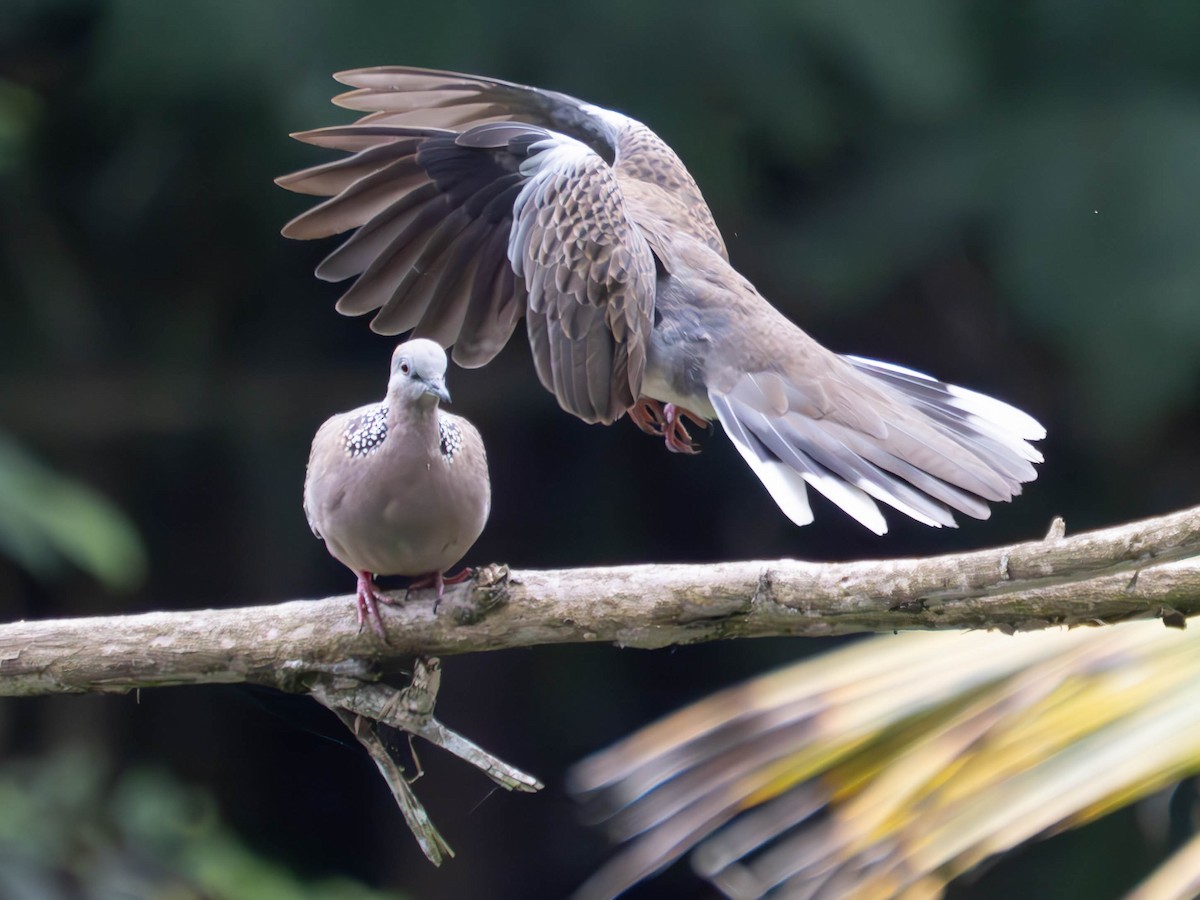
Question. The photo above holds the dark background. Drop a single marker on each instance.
(1004, 194)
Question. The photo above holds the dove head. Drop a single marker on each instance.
(418, 374)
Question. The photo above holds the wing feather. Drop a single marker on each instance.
(457, 233)
(405, 95)
(590, 275)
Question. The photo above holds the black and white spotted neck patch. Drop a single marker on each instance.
(366, 433)
(451, 438)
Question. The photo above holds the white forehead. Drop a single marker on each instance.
(424, 355)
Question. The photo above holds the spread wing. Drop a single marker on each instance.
(404, 95)
(475, 217)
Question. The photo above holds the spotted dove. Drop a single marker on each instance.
(477, 202)
(399, 487)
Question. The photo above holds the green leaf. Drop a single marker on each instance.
(47, 521)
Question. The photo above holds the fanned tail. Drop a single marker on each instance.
(885, 433)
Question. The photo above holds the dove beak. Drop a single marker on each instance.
(437, 387)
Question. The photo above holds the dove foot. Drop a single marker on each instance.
(666, 421)
(676, 434)
(369, 597)
(647, 415)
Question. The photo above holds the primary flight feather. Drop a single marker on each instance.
(477, 201)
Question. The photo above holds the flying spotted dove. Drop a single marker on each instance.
(477, 202)
(399, 487)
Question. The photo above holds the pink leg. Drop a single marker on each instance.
(369, 598)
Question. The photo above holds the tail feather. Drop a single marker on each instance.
(858, 469)
(779, 438)
(921, 446)
(1019, 423)
(995, 448)
(785, 485)
(922, 481)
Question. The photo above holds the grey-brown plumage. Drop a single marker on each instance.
(399, 487)
(477, 202)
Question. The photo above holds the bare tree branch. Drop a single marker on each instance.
(315, 647)
(411, 710)
(363, 707)
(1100, 576)
(432, 844)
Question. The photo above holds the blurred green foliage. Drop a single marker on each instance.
(47, 520)
(68, 829)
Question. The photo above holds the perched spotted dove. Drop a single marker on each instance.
(399, 487)
(477, 202)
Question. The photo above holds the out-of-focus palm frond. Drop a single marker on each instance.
(894, 765)
(46, 520)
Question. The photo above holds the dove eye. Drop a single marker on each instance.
(404, 368)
